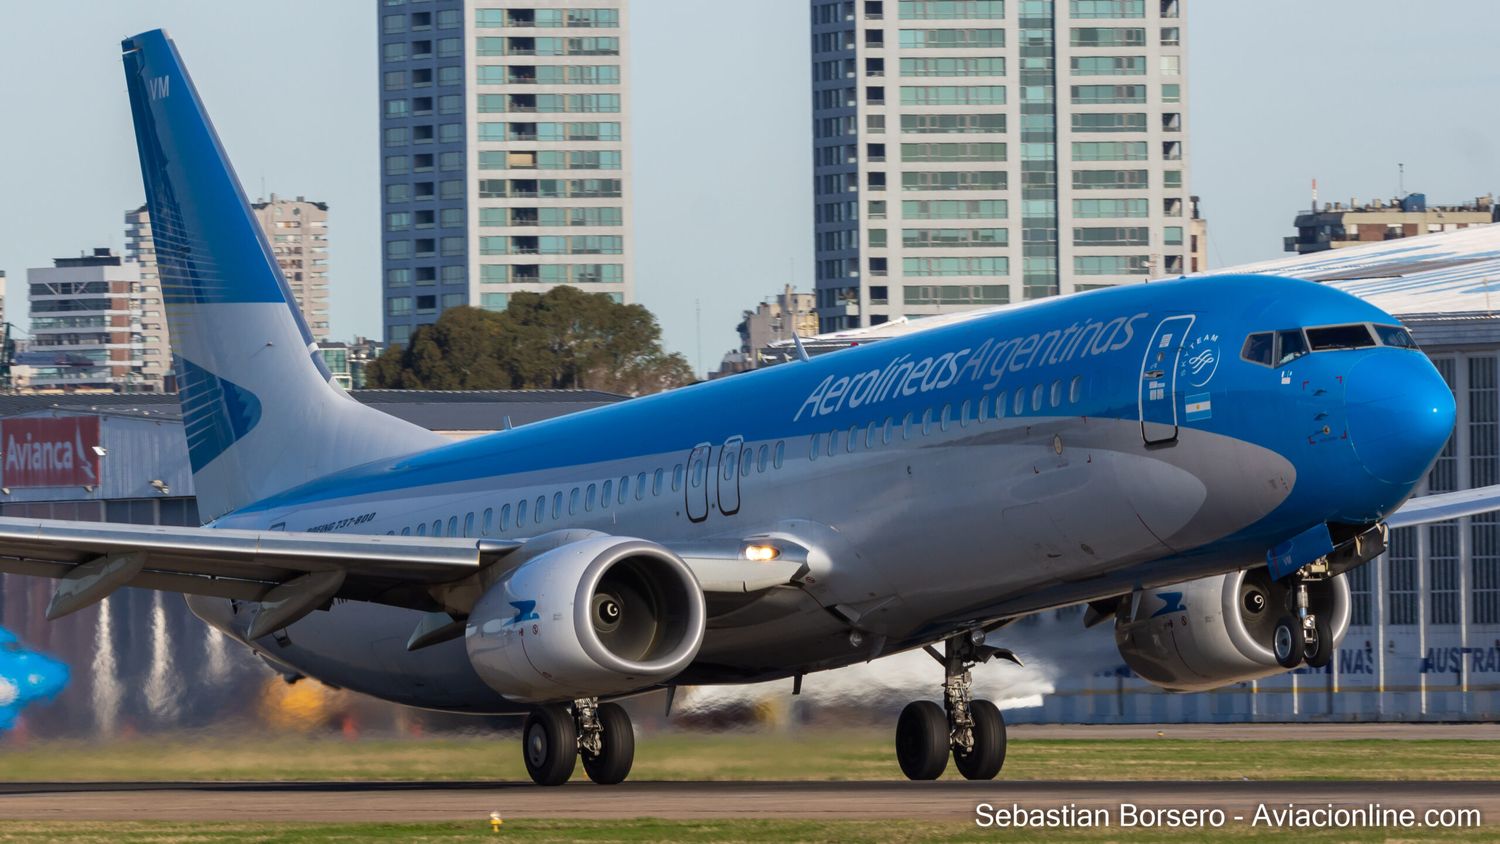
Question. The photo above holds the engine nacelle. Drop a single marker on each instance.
(1203, 634)
(600, 616)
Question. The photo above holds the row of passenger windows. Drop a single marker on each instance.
(971, 411)
(1274, 348)
(599, 496)
(602, 496)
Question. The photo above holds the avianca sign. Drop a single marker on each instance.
(50, 451)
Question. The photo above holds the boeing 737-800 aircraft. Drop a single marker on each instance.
(1199, 460)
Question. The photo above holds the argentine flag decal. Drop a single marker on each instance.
(1199, 407)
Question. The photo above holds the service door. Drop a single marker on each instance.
(1159, 395)
(696, 487)
(729, 475)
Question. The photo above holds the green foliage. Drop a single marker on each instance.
(562, 339)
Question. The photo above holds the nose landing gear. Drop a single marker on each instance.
(1302, 635)
(973, 731)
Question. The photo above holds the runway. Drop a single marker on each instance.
(398, 802)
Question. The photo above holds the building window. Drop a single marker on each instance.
(1359, 596)
(1485, 558)
(1443, 572)
(1401, 580)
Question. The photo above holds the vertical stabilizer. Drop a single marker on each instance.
(259, 407)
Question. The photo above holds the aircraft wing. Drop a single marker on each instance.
(1446, 505)
(291, 574)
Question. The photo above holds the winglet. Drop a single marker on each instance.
(801, 350)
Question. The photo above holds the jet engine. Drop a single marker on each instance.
(599, 616)
(1203, 634)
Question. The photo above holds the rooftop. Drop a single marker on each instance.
(438, 410)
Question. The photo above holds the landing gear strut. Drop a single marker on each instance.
(553, 737)
(972, 730)
(1301, 635)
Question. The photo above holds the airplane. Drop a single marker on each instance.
(26, 677)
(1199, 460)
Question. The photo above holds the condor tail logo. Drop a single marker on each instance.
(159, 87)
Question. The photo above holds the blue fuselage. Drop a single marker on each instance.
(1065, 450)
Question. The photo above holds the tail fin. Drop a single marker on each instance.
(259, 407)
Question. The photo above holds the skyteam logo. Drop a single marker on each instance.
(1200, 360)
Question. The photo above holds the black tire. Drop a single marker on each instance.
(984, 761)
(549, 745)
(617, 752)
(1320, 652)
(922, 740)
(1288, 642)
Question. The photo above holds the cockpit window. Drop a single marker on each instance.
(1259, 348)
(1339, 337)
(1290, 345)
(1395, 335)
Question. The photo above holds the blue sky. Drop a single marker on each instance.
(1281, 91)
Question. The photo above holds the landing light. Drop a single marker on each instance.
(761, 553)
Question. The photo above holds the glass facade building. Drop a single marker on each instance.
(980, 152)
(504, 159)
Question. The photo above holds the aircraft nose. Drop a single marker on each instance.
(1401, 413)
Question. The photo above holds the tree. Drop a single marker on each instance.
(562, 339)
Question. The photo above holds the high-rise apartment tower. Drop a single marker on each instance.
(504, 162)
(978, 152)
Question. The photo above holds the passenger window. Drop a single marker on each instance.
(1290, 345)
(406, 531)
(1258, 348)
(657, 481)
(489, 521)
(640, 486)
(963, 414)
(1075, 389)
(505, 516)
(539, 512)
(520, 515)
(437, 527)
(453, 526)
(926, 421)
(851, 440)
(870, 435)
(698, 473)
(557, 505)
(946, 416)
(469, 525)
(605, 493)
(1036, 397)
(588, 499)
(1000, 405)
(906, 427)
(625, 489)
(728, 467)
(1057, 393)
(1019, 405)
(780, 453)
(746, 459)
(984, 411)
(1395, 335)
(833, 443)
(677, 473)
(763, 459)
(817, 441)
(422, 529)
(573, 501)
(890, 431)
(1333, 337)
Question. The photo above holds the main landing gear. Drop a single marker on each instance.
(1302, 635)
(553, 737)
(973, 731)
